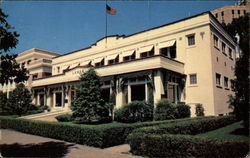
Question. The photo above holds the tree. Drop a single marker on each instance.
(240, 102)
(9, 70)
(19, 101)
(88, 106)
(3, 103)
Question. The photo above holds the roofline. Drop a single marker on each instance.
(125, 36)
(37, 50)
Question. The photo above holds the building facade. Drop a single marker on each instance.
(38, 63)
(228, 13)
(191, 60)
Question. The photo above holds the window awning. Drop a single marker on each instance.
(167, 44)
(128, 53)
(112, 57)
(146, 49)
(98, 60)
(74, 65)
(85, 63)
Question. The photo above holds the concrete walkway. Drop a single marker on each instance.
(17, 144)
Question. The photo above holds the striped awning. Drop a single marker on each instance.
(167, 44)
(146, 49)
(112, 57)
(128, 53)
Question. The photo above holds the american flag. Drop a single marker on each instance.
(110, 10)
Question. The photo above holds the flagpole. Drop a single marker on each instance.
(106, 31)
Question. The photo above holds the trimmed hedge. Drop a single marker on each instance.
(169, 145)
(64, 118)
(104, 135)
(192, 127)
(159, 141)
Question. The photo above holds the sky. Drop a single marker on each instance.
(65, 26)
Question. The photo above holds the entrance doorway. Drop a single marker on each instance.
(105, 92)
(138, 92)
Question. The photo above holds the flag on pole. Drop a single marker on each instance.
(110, 10)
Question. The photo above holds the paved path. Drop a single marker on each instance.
(13, 143)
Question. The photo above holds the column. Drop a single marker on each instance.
(159, 89)
(146, 91)
(175, 94)
(129, 92)
(38, 99)
(157, 51)
(119, 96)
(63, 97)
(69, 97)
(54, 99)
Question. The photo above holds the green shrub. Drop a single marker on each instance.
(88, 106)
(136, 111)
(199, 110)
(64, 118)
(192, 127)
(19, 101)
(103, 135)
(183, 110)
(165, 110)
(4, 110)
(185, 146)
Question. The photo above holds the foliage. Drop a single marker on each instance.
(64, 118)
(88, 106)
(9, 69)
(19, 101)
(102, 135)
(199, 110)
(183, 110)
(136, 111)
(3, 104)
(240, 102)
(234, 132)
(184, 146)
(158, 141)
(193, 126)
(165, 110)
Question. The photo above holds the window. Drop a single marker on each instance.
(244, 12)
(34, 76)
(225, 82)
(222, 13)
(191, 40)
(216, 15)
(232, 84)
(232, 11)
(113, 61)
(28, 62)
(230, 52)
(193, 79)
(218, 79)
(129, 58)
(223, 47)
(99, 64)
(147, 54)
(239, 12)
(169, 51)
(216, 41)
(58, 69)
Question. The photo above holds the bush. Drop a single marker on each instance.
(19, 101)
(185, 146)
(88, 106)
(3, 104)
(165, 110)
(64, 118)
(199, 110)
(183, 110)
(158, 141)
(137, 111)
(103, 135)
(192, 127)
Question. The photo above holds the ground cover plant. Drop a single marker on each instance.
(102, 135)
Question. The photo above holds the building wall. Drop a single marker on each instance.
(228, 13)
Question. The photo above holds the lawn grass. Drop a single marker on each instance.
(234, 132)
